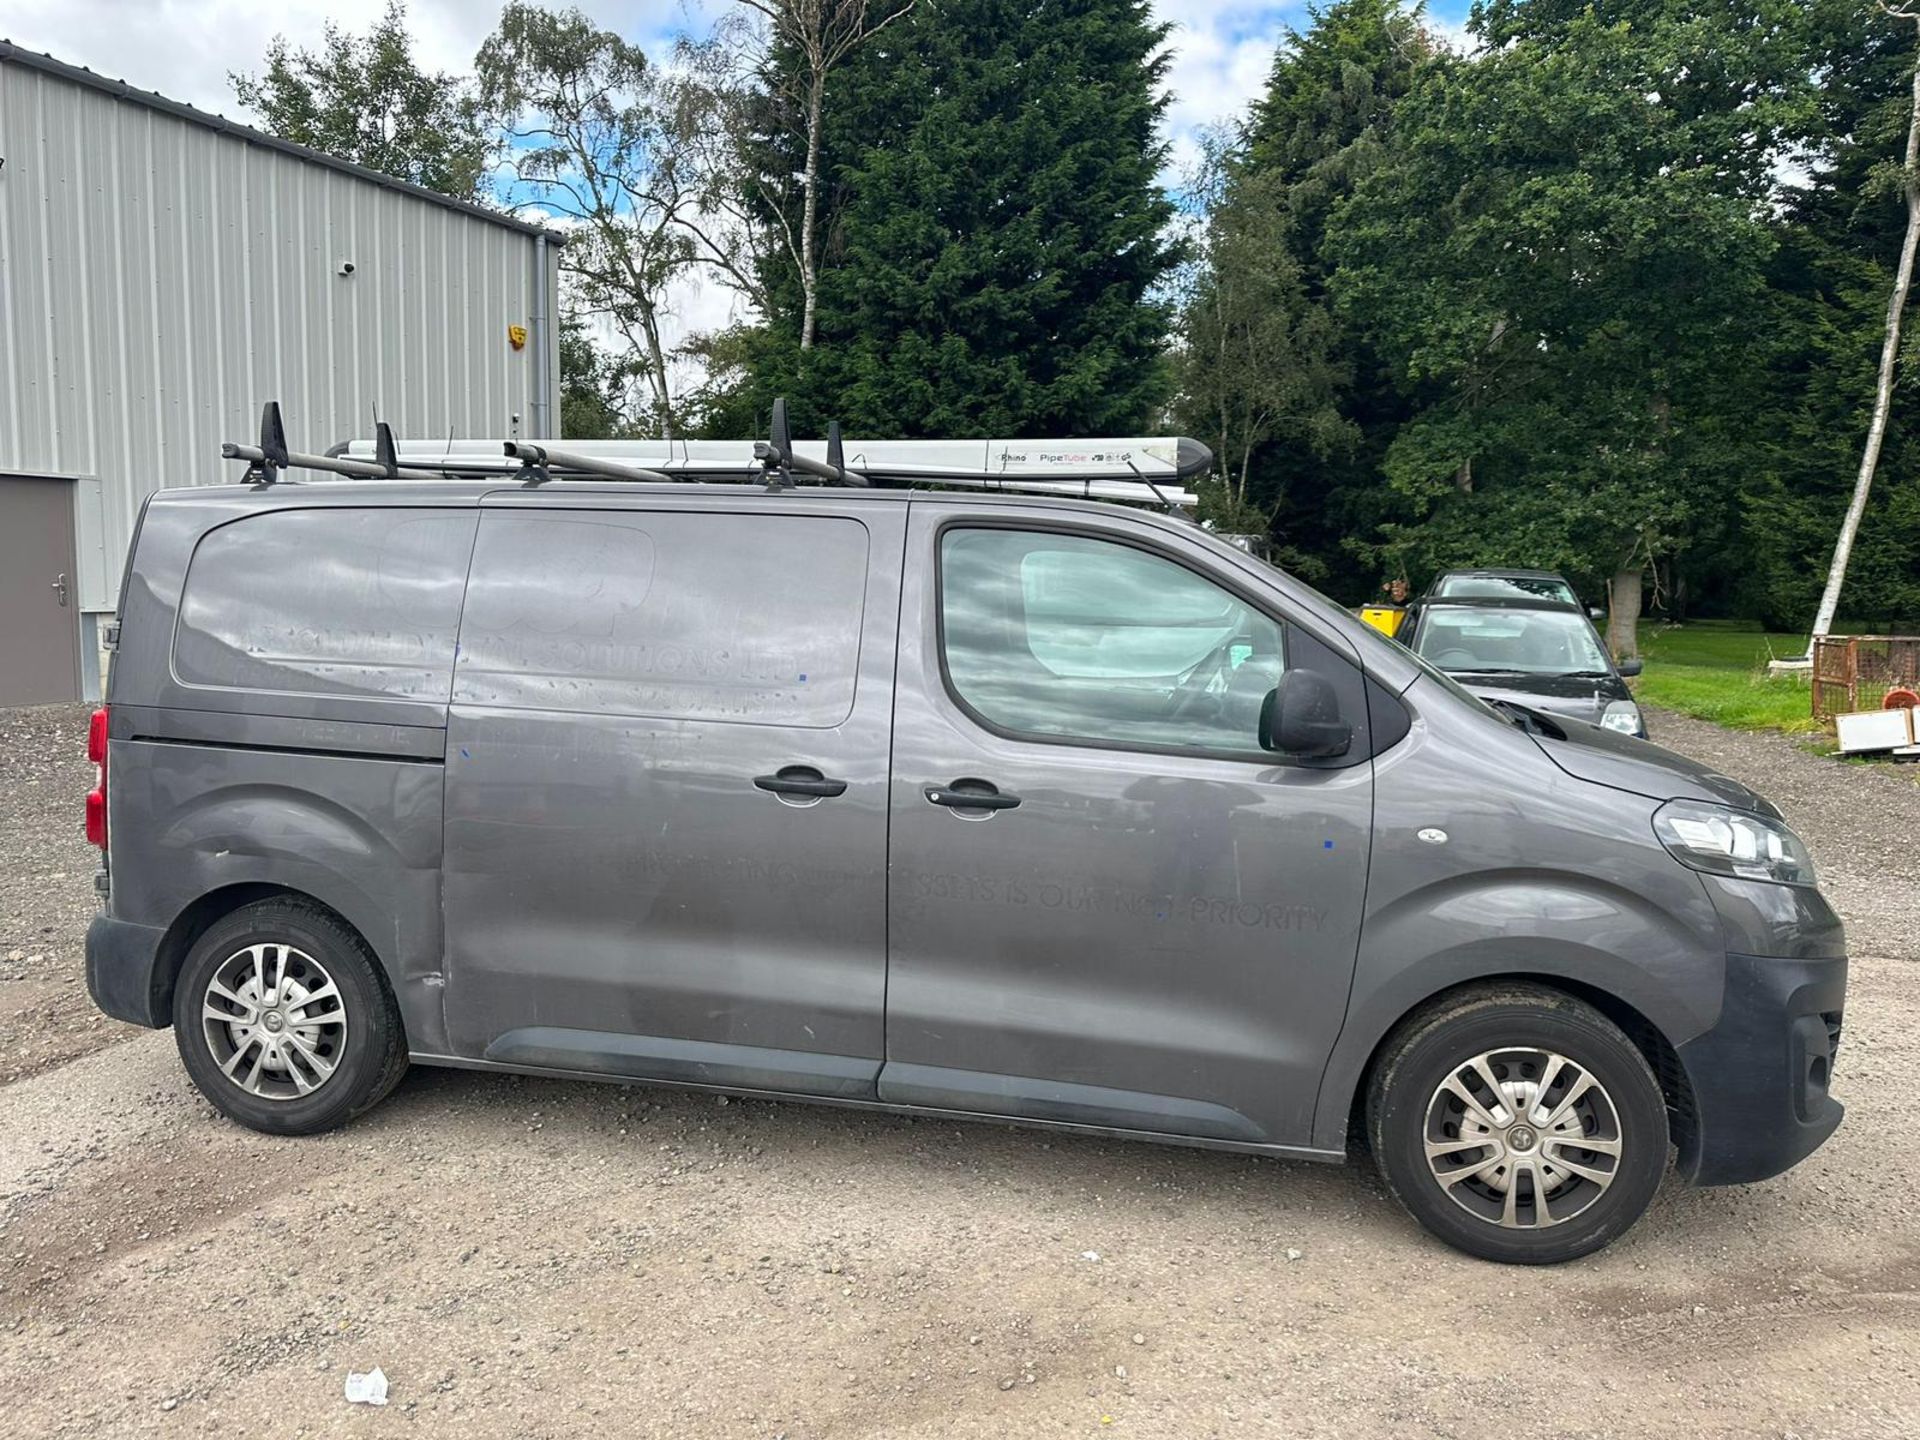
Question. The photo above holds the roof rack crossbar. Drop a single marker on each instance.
(547, 460)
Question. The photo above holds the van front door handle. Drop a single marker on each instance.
(971, 795)
(801, 780)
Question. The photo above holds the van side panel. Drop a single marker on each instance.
(1156, 942)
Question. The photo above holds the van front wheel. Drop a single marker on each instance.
(284, 1022)
(1518, 1124)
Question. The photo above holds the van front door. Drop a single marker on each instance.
(1108, 906)
(667, 789)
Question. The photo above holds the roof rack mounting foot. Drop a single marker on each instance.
(385, 453)
(837, 458)
(273, 447)
(776, 452)
(533, 462)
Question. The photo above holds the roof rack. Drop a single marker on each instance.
(1140, 470)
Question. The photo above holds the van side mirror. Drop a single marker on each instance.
(1301, 717)
(1628, 669)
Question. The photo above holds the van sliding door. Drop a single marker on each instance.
(667, 771)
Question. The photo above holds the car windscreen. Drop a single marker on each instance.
(1507, 587)
(1463, 640)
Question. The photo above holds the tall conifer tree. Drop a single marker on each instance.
(992, 232)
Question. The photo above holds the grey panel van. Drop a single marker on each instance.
(992, 806)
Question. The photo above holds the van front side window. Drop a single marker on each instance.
(1067, 637)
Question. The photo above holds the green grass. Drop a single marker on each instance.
(1717, 670)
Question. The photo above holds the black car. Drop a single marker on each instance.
(1536, 653)
(1503, 585)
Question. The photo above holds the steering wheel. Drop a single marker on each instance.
(1192, 689)
(1454, 659)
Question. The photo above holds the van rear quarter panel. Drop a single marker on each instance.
(1538, 874)
(334, 792)
(361, 836)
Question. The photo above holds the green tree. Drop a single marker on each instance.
(1328, 103)
(1254, 363)
(365, 99)
(815, 37)
(596, 387)
(992, 233)
(1320, 125)
(1566, 248)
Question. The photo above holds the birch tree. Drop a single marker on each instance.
(1889, 351)
(823, 34)
(587, 130)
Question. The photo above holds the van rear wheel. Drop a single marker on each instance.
(1518, 1124)
(284, 1021)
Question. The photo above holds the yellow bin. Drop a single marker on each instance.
(1384, 618)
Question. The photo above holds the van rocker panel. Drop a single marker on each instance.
(1021, 1097)
(689, 1062)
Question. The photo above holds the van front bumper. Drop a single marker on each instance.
(124, 973)
(1759, 1077)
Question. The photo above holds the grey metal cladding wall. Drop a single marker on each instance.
(160, 279)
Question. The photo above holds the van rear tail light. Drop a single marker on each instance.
(97, 797)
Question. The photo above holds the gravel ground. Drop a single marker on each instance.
(46, 893)
(542, 1258)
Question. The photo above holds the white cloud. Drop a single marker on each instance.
(1219, 60)
(184, 49)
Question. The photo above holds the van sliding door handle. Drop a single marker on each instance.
(801, 780)
(971, 795)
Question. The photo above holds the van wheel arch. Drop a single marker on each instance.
(1647, 1038)
(213, 907)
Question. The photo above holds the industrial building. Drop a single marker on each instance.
(164, 271)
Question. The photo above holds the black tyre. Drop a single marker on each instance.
(284, 1020)
(1518, 1124)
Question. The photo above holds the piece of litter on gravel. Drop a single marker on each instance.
(1093, 1255)
(367, 1389)
(1293, 1254)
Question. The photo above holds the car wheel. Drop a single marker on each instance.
(284, 1019)
(1518, 1124)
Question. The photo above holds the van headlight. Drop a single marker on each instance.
(1723, 841)
(1622, 715)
